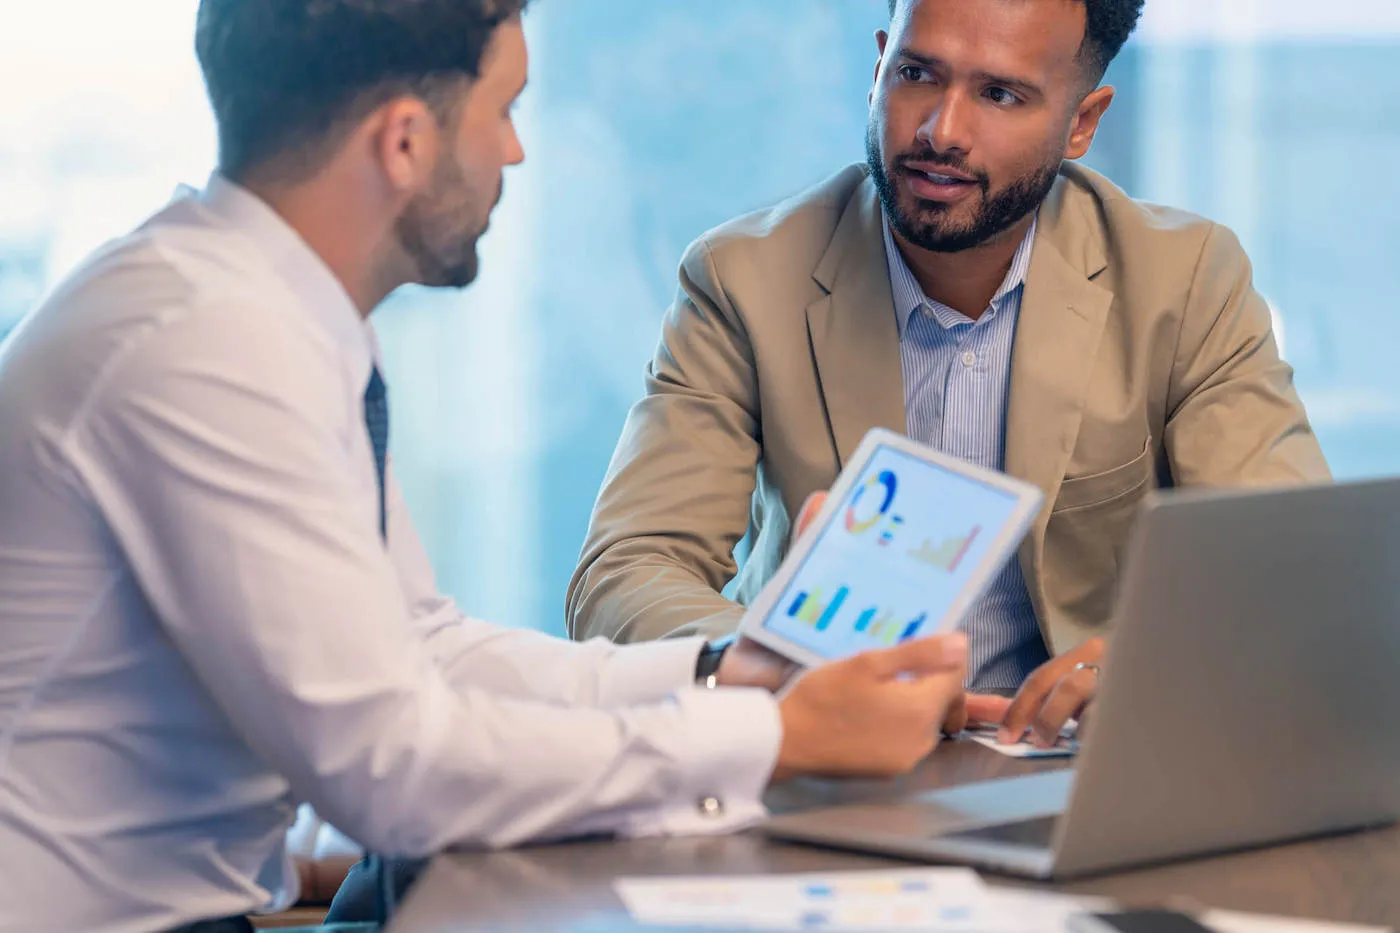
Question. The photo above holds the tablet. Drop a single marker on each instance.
(907, 541)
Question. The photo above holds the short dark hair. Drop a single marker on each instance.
(1110, 23)
(287, 78)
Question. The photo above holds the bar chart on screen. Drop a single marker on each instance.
(872, 625)
(891, 560)
(809, 608)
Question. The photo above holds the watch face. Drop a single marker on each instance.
(710, 656)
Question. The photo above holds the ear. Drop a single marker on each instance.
(882, 39)
(1086, 122)
(406, 139)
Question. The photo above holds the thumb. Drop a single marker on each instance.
(808, 512)
(939, 654)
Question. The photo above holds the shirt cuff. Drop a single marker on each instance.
(639, 674)
(728, 758)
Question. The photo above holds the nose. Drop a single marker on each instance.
(948, 128)
(515, 150)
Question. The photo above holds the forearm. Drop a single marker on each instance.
(677, 497)
(524, 664)
(530, 665)
(635, 598)
(494, 773)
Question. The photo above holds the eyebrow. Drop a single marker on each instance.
(1023, 85)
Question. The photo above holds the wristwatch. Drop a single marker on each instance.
(707, 664)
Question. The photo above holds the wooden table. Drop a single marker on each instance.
(1355, 877)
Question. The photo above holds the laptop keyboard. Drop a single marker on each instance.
(1038, 833)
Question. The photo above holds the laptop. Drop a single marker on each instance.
(1250, 695)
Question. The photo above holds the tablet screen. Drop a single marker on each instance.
(893, 558)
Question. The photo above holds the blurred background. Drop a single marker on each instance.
(648, 122)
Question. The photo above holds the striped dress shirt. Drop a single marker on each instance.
(957, 377)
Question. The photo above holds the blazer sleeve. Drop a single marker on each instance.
(676, 499)
(1234, 417)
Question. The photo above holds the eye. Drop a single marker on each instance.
(1002, 97)
(913, 73)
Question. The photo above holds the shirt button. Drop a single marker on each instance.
(711, 807)
(969, 359)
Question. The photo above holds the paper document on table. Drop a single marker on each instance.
(1040, 912)
(1228, 921)
(1066, 747)
(938, 900)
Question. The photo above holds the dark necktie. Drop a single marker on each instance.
(377, 423)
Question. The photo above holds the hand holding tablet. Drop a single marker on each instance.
(904, 544)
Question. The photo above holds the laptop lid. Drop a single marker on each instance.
(1251, 691)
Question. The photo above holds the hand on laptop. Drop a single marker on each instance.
(1056, 693)
(877, 714)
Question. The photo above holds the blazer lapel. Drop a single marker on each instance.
(854, 333)
(1057, 338)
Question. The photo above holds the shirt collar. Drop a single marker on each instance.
(321, 294)
(909, 295)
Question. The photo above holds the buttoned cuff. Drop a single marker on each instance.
(648, 673)
(726, 762)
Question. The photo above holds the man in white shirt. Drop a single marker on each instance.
(213, 605)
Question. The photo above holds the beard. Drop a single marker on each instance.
(928, 224)
(433, 230)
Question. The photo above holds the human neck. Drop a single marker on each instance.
(338, 228)
(965, 281)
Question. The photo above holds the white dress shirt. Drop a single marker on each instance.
(200, 626)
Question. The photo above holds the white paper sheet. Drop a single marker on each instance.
(937, 900)
(1066, 747)
(1040, 912)
(933, 900)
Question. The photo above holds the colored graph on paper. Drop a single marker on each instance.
(891, 562)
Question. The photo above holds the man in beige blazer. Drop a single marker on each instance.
(1143, 356)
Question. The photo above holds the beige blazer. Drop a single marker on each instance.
(1143, 357)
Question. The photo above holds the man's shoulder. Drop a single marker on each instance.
(147, 307)
(1135, 233)
(793, 234)
(175, 260)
